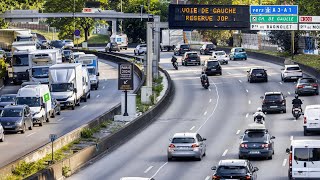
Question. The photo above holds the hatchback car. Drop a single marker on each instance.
(234, 169)
(207, 48)
(140, 49)
(7, 99)
(256, 142)
(16, 118)
(29, 83)
(212, 67)
(57, 44)
(112, 46)
(181, 49)
(66, 55)
(68, 43)
(190, 58)
(1, 133)
(291, 72)
(186, 145)
(273, 101)
(221, 56)
(56, 107)
(238, 53)
(257, 74)
(307, 86)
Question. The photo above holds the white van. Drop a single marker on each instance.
(38, 98)
(304, 159)
(86, 84)
(311, 119)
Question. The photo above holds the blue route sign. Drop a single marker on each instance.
(274, 9)
(77, 32)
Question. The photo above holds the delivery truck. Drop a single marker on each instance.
(171, 38)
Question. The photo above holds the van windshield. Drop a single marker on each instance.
(91, 71)
(42, 72)
(307, 154)
(30, 101)
(20, 60)
(63, 87)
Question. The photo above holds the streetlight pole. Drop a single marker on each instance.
(74, 22)
(121, 20)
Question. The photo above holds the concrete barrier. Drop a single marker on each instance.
(44, 150)
(109, 143)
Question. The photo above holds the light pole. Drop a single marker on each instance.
(74, 22)
(121, 20)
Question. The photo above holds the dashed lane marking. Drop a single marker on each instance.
(225, 152)
(148, 169)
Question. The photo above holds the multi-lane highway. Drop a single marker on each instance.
(106, 97)
(220, 114)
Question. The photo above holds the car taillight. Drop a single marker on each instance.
(248, 177)
(214, 177)
(315, 85)
(194, 146)
(207, 49)
(305, 120)
(300, 86)
(172, 146)
(244, 145)
(265, 145)
(283, 102)
(290, 159)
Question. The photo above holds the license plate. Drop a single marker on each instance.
(254, 152)
(259, 75)
(273, 106)
(308, 86)
(185, 49)
(213, 69)
(183, 148)
(7, 126)
(193, 60)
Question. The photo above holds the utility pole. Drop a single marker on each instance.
(121, 19)
(74, 22)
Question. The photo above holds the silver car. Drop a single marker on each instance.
(187, 145)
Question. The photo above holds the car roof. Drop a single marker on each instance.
(305, 143)
(256, 126)
(212, 60)
(254, 68)
(292, 65)
(8, 95)
(186, 134)
(191, 52)
(14, 106)
(275, 93)
(315, 106)
(233, 162)
(218, 51)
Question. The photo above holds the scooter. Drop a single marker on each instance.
(175, 65)
(205, 83)
(259, 119)
(296, 112)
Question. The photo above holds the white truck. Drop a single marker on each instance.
(91, 62)
(121, 40)
(9, 36)
(39, 63)
(171, 38)
(86, 84)
(66, 84)
(38, 98)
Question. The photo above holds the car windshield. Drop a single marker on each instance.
(273, 97)
(11, 113)
(92, 71)
(220, 53)
(67, 41)
(20, 60)
(184, 46)
(213, 63)
(210, 46)
(57, 44)
(255, 137)
(293, 68)
(63, 87)
(27, 38)
(42, 72)
(257, 71)
(183, 140)
(7, 98)
(67, 53)
(192, 55)
(30, 101)
(240, 50)
(307, 81)
(143, 45)
(230, 170)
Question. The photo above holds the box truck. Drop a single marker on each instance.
(9, 36)
(171, 38)
(121, 40)
(91, 62)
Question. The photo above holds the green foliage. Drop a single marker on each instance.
(283, 39)
(105, 124)
(86, 133)
(25, 169)
(3, 68)
(65, 171)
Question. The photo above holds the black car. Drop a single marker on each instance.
(7, 99)
(273, 102)
(66, 55)
(190, 58)
(307, 86)
(235, 169)
(113, 46)
(257, 74)
(16, 118)
(212, 67)
(57, 44)
(56, 107)
(181, 49)
(256, 142)
(207, 48)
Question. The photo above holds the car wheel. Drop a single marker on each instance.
(199, 158)
(2, 139)
(240, 157)
(284, 111)
(305, 132)
(23, 129)
(53, 114)
(59, 112)
(85, 99)
(204, 154)
(317, 93)
(270, 157)
(135, 53)
(41, 121)
(31, 125)
(47, 119)
(73, 105)
(169, 159)
(245, 58)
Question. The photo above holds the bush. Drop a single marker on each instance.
(3, 68)
(86, 133)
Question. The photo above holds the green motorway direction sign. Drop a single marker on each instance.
(274, 19)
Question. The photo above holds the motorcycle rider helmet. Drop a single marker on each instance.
(259, 109)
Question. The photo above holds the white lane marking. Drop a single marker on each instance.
(192, 128)
(240, 81)
(60, 119)
(98, 96)
(214, 109)
(103, 87)
(205, 113)
(228, 72)
(209, 89)
(284, 162)
(238, 132)
(247, 90)
(83, 106)
(207, 178)
(247, 115)
(280, 82)
(249, 102)
(31, 134)
(291, 138)
(148, 169)
(289, 93)
(225, 152)
(210, 100)
(159, 169)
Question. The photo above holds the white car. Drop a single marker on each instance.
(291, 72)
(140, 49)
(1, 133)
(68, 43)
(311, 119)
(221, 56)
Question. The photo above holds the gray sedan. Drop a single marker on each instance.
(307, 86)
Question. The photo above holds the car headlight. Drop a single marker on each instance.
(19, 123)
(15, 75)
(93, 81)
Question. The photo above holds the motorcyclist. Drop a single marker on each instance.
(204, 77)
(296, 103)
(173, 60)
(259, 115)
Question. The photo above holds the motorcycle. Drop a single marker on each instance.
(296, 112)
(205, 83)
(259, 119)
(174, 62)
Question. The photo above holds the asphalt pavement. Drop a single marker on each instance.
(220, 114)
(103, 99)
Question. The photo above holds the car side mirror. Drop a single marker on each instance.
(261, 97)
(214, 168)
(287, 150)
(255, 169)
(75, 90)
(170, 139)
(248, 71)
(272, 137)
(241, 137)
(204, 139)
